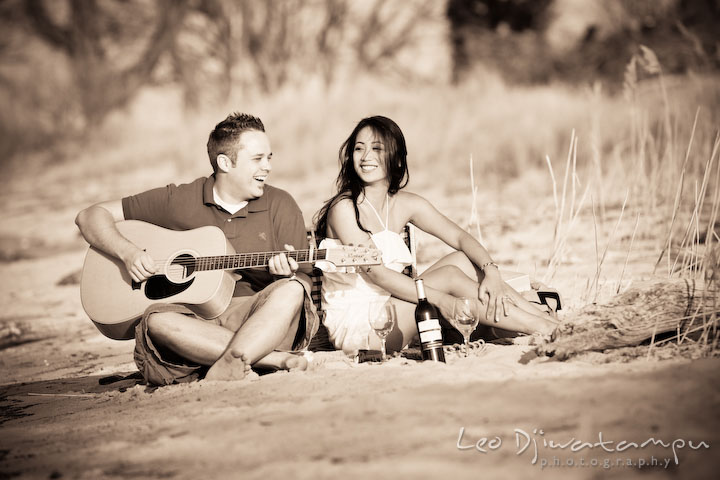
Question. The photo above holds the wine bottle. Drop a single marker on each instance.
(428, 325)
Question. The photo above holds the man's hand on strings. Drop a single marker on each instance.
(281, 265)
(140, 265)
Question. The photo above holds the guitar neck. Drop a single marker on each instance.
(257, 259)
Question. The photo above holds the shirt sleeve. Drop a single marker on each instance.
(289, 223)
(151, 206)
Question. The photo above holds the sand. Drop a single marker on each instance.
(402, 419)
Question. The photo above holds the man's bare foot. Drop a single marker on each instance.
(229, 367)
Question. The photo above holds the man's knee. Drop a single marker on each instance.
(160, 323)
(291, 292)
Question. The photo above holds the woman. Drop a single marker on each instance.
(370, 208)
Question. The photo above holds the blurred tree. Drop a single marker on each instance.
(683, 34)
(113, 47)
(33, 87)
(263, 46)
(101, 53)
(288, 41)
(491, 32)
(330, 37)
(271, 37)
(203, 53)
(580, 41)
(386, 31)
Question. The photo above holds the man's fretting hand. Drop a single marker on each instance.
(282, 266)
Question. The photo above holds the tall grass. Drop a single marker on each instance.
(666, 162)
(661, 144)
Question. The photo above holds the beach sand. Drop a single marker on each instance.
(402, 419)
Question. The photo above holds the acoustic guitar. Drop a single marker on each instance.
(194, 269)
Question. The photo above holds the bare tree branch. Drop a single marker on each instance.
(55, 35)
(160, 42)
(378, 30)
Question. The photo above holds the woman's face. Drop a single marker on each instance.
(369, 157)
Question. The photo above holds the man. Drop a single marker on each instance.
(271, 312)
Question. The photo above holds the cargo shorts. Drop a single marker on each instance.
(161, 366)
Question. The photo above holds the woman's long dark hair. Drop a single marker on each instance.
(350, 185)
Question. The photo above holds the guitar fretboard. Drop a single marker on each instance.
(258, 259)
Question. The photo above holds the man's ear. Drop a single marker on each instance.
(224, 163)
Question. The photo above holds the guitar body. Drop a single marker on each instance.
(115, 303)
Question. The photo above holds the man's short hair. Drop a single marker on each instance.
(224, 137)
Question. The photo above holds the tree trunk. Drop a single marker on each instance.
(102, 85)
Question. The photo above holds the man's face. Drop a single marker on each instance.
(252, 166)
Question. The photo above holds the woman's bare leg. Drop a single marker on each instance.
(454, 274)
(454, 281)
(462, 262)
(404, 331)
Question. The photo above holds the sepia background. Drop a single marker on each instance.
(577, 139)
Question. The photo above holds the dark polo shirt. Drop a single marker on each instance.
(263, 225)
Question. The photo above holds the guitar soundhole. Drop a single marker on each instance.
(181, 268)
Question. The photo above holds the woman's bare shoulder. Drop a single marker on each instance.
(340, 206)
(342, 210)
(410, 200)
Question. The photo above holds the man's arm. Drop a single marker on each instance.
(290, 232)
(97, 225)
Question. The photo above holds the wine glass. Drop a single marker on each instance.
(382, 320)
(463, 319)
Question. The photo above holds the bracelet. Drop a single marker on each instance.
(484, 265)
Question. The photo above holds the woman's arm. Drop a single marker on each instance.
(425, 216)
(342, 224)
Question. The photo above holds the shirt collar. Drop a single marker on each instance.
(256, 205)
(208, 197)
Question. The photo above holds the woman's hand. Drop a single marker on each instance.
(491, 294)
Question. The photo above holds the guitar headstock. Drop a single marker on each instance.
(349, 255)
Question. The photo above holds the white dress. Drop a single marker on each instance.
(349, 296)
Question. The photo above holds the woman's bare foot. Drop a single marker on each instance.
(546, 327)
(295, 363)
(229, 367)
(513, 318)
(282, 361)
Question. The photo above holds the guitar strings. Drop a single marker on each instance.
(320, 254)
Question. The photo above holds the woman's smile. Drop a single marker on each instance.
(369, 156)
